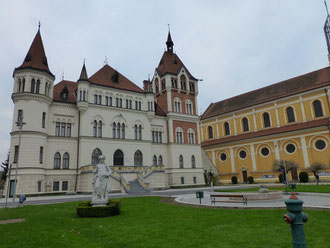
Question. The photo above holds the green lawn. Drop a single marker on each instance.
(148, 222)
(300, 188)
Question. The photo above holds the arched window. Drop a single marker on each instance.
(317, 108)
(123, 131)
(210, 130)
(136, 132)
(154, 160)
(290, 114)
(191, 136)
(95, 156)
(118, 130)
(160, 160)
(57, 161)
(140, 132)
(179, 135)
(114, 130)
(177, 105)
(189, 109)
(138, 158)
(157, 85)
(100, 128)
(245, 122)
(227, 129)
(95, 128)
(183, 82)
(33, 82)
(266, 119)
(180, 162)
(23, 85)
(19, 85)
(193, 163)
(118, 158)
(38, 86)
(66, 160)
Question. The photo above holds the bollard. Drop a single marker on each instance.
(296, 218)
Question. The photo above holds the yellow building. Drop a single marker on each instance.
(289, 120)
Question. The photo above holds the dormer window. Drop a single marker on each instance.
(64, 94)
(115, 77)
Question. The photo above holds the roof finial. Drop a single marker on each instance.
(106, 60)
(84, 60)
(63, 75)
(169, 28)
(39, 26)
(149, 77)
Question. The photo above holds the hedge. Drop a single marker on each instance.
(85, 209)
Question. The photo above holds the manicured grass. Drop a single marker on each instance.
(300, 188)
(148, 222)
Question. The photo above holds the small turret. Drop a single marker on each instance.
(169, 43)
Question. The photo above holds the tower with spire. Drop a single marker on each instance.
(176, 91)
(32, 97)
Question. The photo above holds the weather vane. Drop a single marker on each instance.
(84, 60)
(39, 25)
(168, 27)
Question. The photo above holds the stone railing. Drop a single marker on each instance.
(151, 169)
(143, 183)
(115, 174)
(129, 169)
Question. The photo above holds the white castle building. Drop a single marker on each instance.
(150, 136)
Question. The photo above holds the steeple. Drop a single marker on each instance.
(83, 74)
(326, 29)
(36, 57)
(169, 42)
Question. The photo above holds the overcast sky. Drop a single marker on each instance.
(234, 46)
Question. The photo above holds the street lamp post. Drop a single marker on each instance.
(19, 124)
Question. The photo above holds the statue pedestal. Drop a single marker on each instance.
(99, 202)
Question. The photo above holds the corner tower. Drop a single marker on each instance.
(176, 93)
(32, 96)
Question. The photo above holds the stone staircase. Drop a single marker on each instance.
(135, 187)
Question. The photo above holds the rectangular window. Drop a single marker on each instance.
(41, 154)
(57, 129)
(84, 95)
(127, 103)
(120, 103)
(56, 186)
(43, 122)
(136, 105)
(156, 137)
(130, 104)
(65, 185)
(110, 100)
(182, 180)
(63, 129)
(160, 137)
(117, 102)
(20, 115)
(68, 130)
(95, 99)
(39, 186)
(100, 99)
(153, 136)
(194, 180)
(16, 154)
(139, 105)
(80, 95)
(106, 100)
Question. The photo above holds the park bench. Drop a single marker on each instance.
(237, 198)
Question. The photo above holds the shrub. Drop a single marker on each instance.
(250, 179)
(303, 177)
(281, 178)
(234, 180)
(85, 209)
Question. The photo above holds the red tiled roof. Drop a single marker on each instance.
(36, 57)
(271, 131)
(107, 76)
(159, 110)
(59, 87)
(313, 80)
(171, 63)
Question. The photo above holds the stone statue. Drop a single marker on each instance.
(101, 183)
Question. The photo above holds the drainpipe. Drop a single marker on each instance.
(78, 145)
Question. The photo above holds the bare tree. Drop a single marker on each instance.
(284, 166)
(315, 168)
